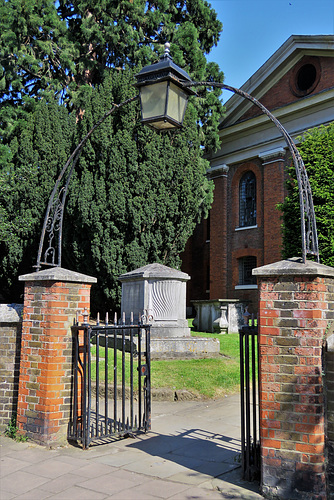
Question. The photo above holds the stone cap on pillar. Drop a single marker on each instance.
(294, 267)
(58, 274)
(154, 271)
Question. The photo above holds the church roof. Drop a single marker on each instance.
(269, 74)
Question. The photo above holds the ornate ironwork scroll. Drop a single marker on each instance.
(308, 230)
(50, 245)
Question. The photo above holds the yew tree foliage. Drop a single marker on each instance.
(67, 43)
(38, 142)
(135, 195)
(61, 47)
(317, 150)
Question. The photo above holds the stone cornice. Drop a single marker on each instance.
(272, 155)
(218, 171)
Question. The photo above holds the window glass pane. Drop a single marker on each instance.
(247, 200)
(246, 265)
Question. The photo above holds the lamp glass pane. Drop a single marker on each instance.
(153, 100)
(177, 102)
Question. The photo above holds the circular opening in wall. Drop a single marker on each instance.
(306, 77)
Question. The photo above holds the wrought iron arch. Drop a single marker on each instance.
(50, 252)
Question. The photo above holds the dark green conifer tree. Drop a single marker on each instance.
(317, 150)
(40, 138)
(135, 195)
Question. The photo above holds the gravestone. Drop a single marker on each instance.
(159, 292)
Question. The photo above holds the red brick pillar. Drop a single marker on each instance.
(274, 182)
(52, 298)
(296, 304)
(218, 234)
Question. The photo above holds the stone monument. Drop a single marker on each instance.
(219, 315)
(159, 292)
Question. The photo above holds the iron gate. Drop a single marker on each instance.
(111, 389)
(249, 396)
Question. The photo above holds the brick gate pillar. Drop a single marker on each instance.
(52, 298)
(218, 233)
(296, 304)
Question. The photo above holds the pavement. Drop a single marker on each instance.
(192, 452)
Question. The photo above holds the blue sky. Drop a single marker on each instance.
(254, 29)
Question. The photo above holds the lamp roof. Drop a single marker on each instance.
(165, 67)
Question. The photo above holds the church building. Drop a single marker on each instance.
(243, 230)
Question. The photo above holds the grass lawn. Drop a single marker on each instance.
(209, 377)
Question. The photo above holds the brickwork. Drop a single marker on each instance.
(329, 370)
(218, 241)
(196, 256)
(50, 308)
(264, 241)
(10, 346)
(246, 242)
(295, 311)
(274, 193)
(281, 94)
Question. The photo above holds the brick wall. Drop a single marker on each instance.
(246, 242)
(50, 308)
(265, 241)
(281, 94)
(10, 346)
(329, 370)
(295, 311)
(218, 233)
(195, 262)
(273, 193)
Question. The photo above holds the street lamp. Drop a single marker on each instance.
(164, 89)
(163, 94)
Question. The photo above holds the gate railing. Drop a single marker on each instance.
(111, 383)
(249, 396)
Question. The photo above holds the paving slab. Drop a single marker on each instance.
(191, 452)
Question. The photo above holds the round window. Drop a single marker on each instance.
(305, 76)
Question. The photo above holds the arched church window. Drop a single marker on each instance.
(247, 200)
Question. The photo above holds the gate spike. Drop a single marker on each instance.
(123, 319)
(107, 319)
(127, 424)
(131, 318)
(115, 319)
(136, 424)
(98, 319)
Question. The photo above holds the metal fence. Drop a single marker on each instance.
(111, 383)
(249, 395)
